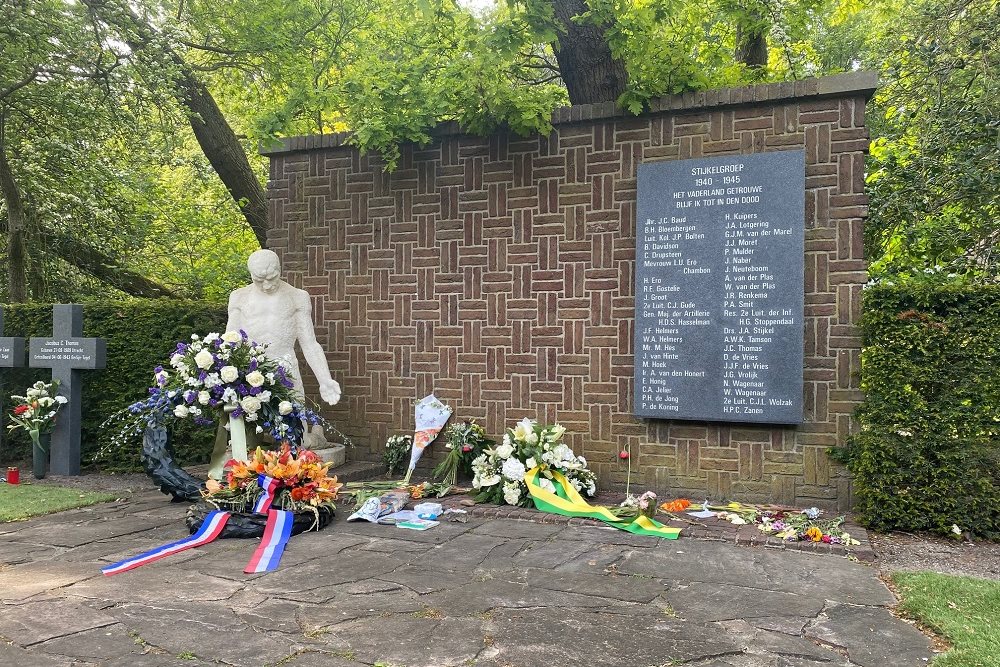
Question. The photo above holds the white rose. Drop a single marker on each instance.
(250, 404)
(504, 451)
(255, 378)
(204, 397)
(232, 337)
(204, 359)
(229, 373)
(181, 411)
(285, 408)
(513, 470)
(524, 428)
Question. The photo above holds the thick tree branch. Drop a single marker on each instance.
(16, 219)
(217, 140)
(98, 264)
(18, 85)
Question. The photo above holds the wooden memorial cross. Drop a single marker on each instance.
(67, 353)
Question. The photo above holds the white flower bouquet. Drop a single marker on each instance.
(216, 375)
(498, 473)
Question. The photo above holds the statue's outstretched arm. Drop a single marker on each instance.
(313, 352)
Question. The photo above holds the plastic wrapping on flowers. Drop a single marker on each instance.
(465, 442)
(498, 473)
(210, 377)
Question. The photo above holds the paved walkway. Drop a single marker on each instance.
(491, 593)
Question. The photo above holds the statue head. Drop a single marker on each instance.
(265, 270)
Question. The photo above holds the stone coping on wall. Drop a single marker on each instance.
(862, 84)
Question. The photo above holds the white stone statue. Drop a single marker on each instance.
(273, 312)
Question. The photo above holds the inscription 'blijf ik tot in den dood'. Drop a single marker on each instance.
(719, 289)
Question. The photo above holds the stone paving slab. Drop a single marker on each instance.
(488, 592)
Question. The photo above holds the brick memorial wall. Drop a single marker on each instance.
(498, 273)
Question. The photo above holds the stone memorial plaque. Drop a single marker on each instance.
(719, 288)
(84, 353)
(11, 349)
(11, 352)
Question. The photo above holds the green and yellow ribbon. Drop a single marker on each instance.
(568, 502)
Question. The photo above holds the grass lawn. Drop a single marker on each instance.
(964, 610)
(24, 500)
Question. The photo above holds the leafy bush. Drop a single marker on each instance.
(927, 455)
(140, 335)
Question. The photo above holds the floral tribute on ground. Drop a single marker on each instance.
(499, 472)
(265, 497)
(282, 479)
(792, 525)
(532, 466)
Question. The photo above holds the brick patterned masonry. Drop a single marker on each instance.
(498, 272)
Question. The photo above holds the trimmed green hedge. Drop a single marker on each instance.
(928, 454)
(140, 335)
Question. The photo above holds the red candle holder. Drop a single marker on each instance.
(13, 476)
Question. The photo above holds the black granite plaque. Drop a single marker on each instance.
(719, 288)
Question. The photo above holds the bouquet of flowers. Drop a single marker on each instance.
(214, 376)
(397, 448)
(303, 483)
(498, 473)
(36, 411)
(465, 442)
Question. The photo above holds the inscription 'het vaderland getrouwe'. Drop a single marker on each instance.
(719, 288)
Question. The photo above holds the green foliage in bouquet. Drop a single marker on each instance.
(465, 442)
(498, 473)
(397, 449)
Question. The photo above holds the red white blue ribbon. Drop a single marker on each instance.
(272, 545)
(210, 529)
(270, 485)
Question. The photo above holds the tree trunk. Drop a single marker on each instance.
(752, 25)
(16, 216)
(217, 140)
(588, 69)
(751, 47)
(98, 264)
